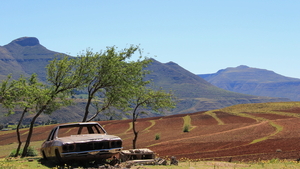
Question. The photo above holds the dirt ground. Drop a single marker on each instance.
(238, 139)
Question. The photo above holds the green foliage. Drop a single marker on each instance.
(30, 152)
(143, 98)
(274, 160)
(13, 127)
(111, 77)
(157, 136)
(155, 100)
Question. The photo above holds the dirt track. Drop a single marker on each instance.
(207, 140)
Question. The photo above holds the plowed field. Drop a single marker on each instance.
(245, 136)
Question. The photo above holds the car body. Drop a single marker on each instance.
(80, 141)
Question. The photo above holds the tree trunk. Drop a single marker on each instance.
(18, 133)
(134, 140)
(87, 109)
(135, 135)
(98, 111)
(95, 115)
(134, 117)
(25, 149)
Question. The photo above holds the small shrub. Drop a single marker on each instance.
(157, 136)
(30, 152)
(13, 153)
(186, 128)
(274, 160)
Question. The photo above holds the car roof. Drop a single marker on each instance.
(78, 124)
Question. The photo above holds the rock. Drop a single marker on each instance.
(30, 160)
(27, 41)
(173, 161)
(161, 161)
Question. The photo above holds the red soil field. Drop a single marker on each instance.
(238, 139)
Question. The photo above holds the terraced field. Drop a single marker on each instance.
(245, 132)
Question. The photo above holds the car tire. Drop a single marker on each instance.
(44, 156)
(58, 157)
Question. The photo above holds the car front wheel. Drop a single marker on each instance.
(44, 156)
(58, 157)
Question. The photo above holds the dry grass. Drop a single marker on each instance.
(6, 149)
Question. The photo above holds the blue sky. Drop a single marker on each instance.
(201, 36)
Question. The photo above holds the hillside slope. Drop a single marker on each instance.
(195, 92)
(253, 81)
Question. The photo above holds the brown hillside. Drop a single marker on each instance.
(214, 135)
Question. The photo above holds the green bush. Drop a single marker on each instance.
(30, 152)
(157, 136)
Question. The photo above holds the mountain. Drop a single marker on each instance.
(254, 81)
(194, 93)
(26, 56)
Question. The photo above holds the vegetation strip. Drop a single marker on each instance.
(212, 114)
(187, 123)
(193, 137)
(129, 129)
(152, 124)
(270, 108)
(257, 108)
(278, 129)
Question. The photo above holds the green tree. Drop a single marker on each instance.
(63, 75)
(27, 91)
(17, 94)
(112, 77)
(10, 95)
(148, 99)
(6, 98)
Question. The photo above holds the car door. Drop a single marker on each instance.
(48, 144)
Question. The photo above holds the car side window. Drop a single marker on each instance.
(51, 135)
(90, 129)
(85, 130)
(99, 129)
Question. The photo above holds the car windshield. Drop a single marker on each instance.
(69, 130)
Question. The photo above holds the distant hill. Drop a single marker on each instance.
(196, 94)
(26, 56)
(254, 81)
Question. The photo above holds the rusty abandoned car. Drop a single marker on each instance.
(80, 141)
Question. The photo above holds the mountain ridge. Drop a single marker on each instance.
(255, 81)
(25, 56)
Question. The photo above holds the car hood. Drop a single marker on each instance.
(87, 138)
